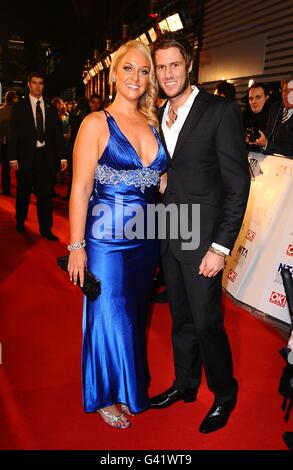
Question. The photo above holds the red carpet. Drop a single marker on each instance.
(40, 335)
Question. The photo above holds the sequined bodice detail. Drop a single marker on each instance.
(141, 178)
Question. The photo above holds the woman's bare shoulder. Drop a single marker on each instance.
(94, 121)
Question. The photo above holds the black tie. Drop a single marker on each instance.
(40, 123)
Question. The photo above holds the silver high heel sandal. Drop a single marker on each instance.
(114, 420)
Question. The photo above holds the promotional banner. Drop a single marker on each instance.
(265, 242)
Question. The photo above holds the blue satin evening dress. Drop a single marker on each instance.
(114, 362)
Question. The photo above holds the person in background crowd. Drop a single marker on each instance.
(95, 102)
(208, 166)
(256, 115)
(278, 136)
(5, 116)
(70, 105)
(35, 147)
(64, 116)
(226, 89)
(117, 154)
(81, 110)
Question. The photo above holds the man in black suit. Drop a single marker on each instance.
(35, 150)
(208, 166)
(278, 135)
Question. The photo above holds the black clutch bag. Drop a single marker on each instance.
(91, 286)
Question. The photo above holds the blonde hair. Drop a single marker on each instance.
(146, 103)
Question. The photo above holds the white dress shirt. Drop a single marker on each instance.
(171, 135)
(34, 101)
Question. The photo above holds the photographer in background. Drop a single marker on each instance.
(278, 136)
(256, 115)
(226, 89)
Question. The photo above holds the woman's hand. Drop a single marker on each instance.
(163, 183)
(76, 263)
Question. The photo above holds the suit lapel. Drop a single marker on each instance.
(192, 119)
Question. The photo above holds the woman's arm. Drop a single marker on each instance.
(163, 183)
(85, 158)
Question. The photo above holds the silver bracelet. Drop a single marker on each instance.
(212, 249)
(76, 245)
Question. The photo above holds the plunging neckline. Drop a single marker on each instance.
(131, 145)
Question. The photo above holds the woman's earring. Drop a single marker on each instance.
(113, 79)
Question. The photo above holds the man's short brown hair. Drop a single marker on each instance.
(174, 39)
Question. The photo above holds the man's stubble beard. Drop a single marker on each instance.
(185, 85)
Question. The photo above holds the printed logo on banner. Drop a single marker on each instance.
(232, 275)
(257, 185)
(278, 277)
(242, 251)
(250, 235)
(281, 170)
(241, 255)
(269, 194)
(278, 299)
(290, 250)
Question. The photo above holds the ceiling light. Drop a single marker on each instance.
(152, 34)
(164, 26)
(144, 39)
(174, 22)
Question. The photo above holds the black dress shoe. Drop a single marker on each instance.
(172, 395)
(217, 417)
(50, 236)
(20, 227)
(288, 439)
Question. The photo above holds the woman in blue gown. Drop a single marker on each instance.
(118, 166)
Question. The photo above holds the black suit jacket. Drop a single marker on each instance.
(280, 136)
(209, 167)
(23, 139)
